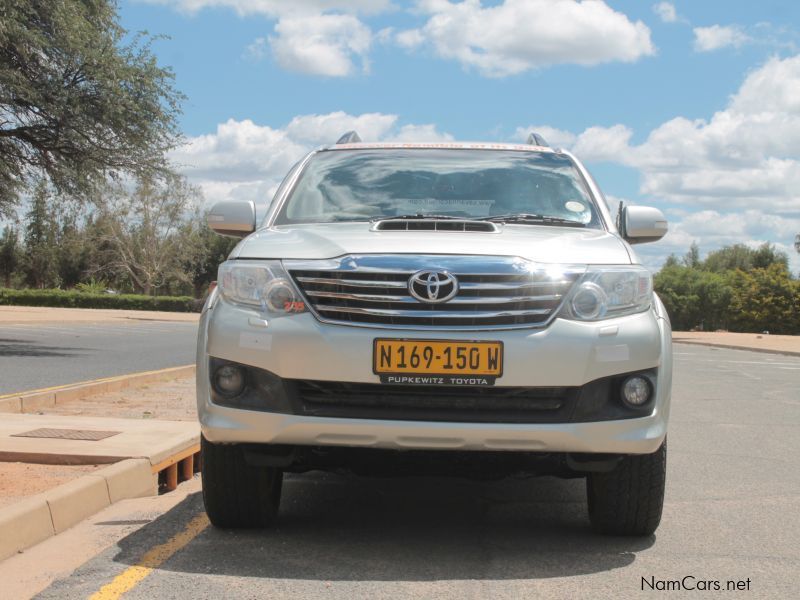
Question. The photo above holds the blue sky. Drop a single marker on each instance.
(691, 106)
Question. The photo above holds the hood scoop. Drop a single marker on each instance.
(445, 225)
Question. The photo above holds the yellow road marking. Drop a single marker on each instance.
(152, 559)
(87, 382)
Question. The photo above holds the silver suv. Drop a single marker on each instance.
(460, 309)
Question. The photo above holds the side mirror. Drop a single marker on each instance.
(642, 224)
(233, 218)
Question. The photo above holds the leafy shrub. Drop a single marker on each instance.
(91, 287)
(765, 300)
(760, 299)
(77, 299)
(694, 298)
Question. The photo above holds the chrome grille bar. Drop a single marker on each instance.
(445, 314)
(353, 282)
(457, 300)
(470, 285)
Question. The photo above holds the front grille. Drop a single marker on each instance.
(436, 403)
(501, 293)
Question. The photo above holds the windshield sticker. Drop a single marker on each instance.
(575, 206)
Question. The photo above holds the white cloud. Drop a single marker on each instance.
(239, 151)
(519, 35)
(410, 38)
(274, 8)
(316, 130)
(707, 39)
(243, 160)
(257, 50)
(603, 143)
(315, 37)
(732, 178)
(321, 44)
(666, 12)
(743, 156)
(419, 133)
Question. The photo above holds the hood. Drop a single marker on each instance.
(545, 244)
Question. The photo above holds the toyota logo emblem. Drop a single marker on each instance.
(433, 286)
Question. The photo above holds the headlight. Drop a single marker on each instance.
(607, 292)
(262, 284)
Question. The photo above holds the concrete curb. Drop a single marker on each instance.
(39, 517)
(34, 400)
(731, 347)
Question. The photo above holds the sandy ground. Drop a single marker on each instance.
(20, 480)
(169, 401)
(43, 314)
(789, 344)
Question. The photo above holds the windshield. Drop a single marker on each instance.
(362, 185)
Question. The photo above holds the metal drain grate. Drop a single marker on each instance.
(68, 434)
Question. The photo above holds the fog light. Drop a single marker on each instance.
(229, 380)
(636, 390)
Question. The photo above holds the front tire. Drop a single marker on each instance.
(237, 494)
(629, 499)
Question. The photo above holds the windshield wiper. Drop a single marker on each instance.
(532, 219)
(418, 216)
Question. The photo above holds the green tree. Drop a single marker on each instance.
(140, 232)
(72, 251)
(9, 255)
(692, 258)
(767, 255)
(40, 255)
(79, 99)
(694, 298)
(672, 261)
(765, 300)
(739, 256)
(205, 251)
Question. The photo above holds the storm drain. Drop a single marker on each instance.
(68, 434)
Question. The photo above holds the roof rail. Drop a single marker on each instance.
(534, 139)
(351, 137)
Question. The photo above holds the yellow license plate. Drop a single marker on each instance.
(456, 362)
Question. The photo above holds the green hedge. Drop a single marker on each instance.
(73, 299)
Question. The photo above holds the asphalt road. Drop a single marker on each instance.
(34, 356)
(731, 513)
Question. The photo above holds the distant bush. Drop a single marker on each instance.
(736, 288)
(77, 299)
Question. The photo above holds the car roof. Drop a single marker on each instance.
(442, 145)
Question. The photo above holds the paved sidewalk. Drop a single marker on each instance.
(757, 342)
(45, 314)
(136, 438)
(144, 453)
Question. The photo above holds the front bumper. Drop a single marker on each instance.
(566, 353)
